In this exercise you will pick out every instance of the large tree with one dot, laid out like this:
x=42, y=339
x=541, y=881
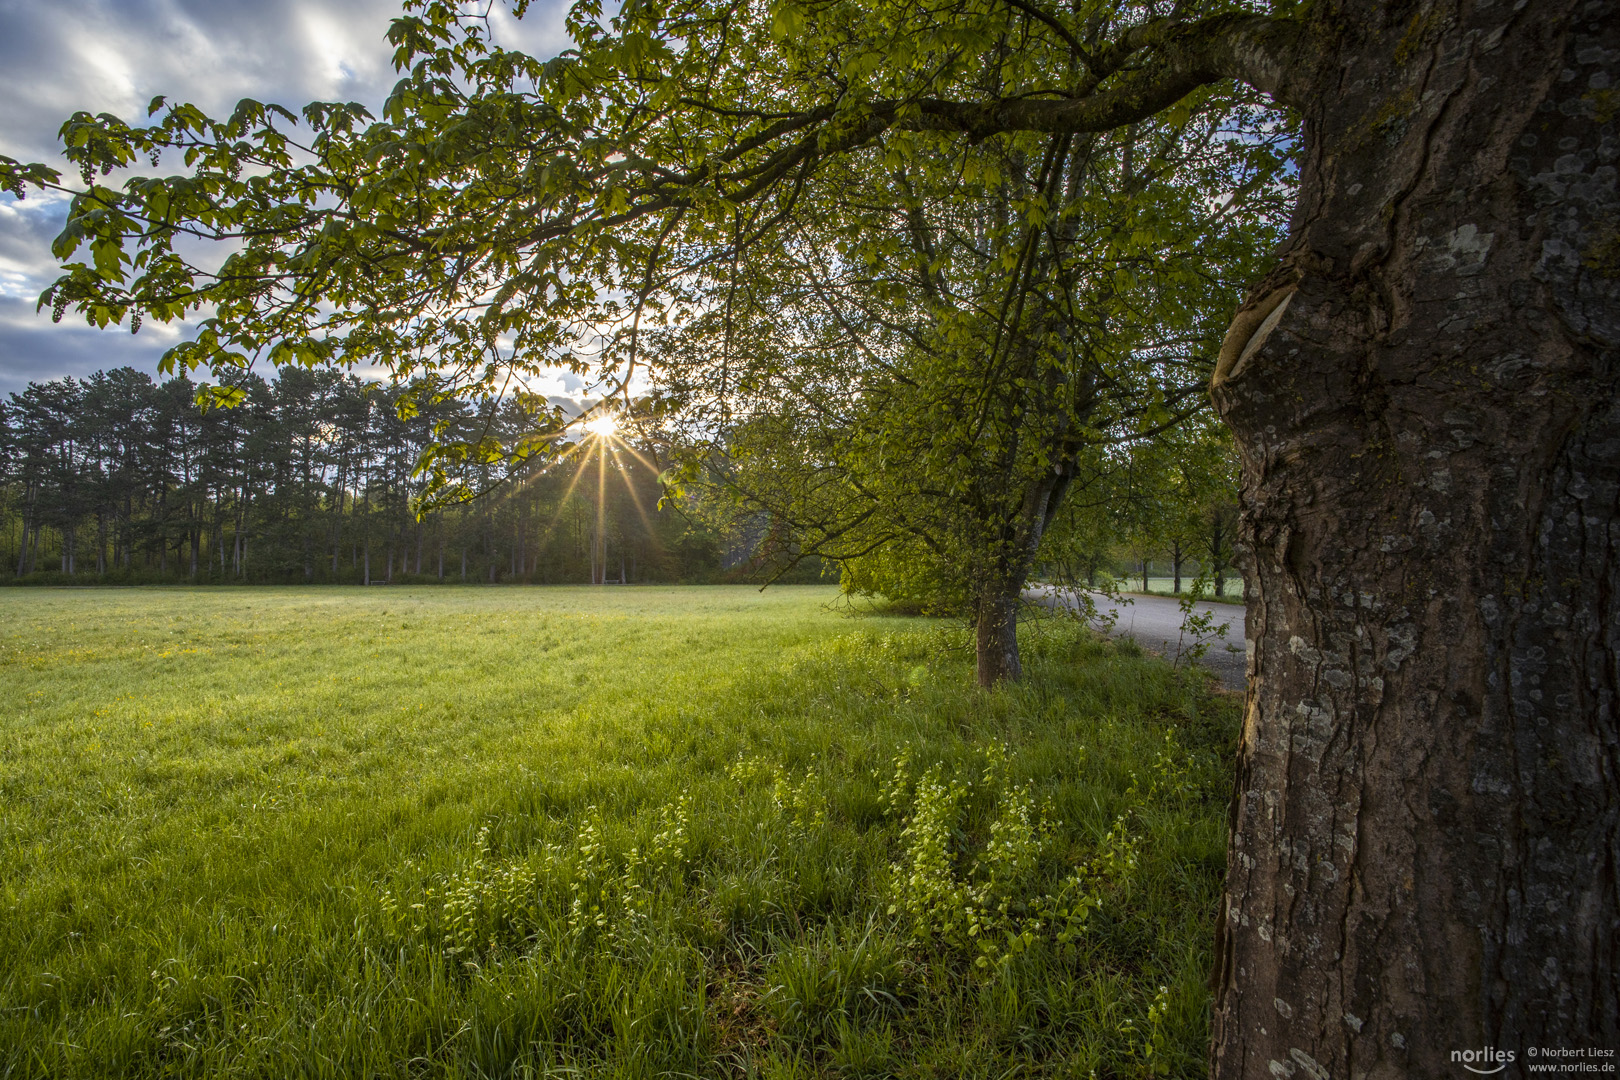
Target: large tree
x=1427, y=820
x=910, y=376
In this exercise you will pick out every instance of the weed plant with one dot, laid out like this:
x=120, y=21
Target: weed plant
x=607, y=833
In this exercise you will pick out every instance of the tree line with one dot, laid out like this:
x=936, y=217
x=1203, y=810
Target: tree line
x=1163, y=507
x=312, y=478
x=120, y=478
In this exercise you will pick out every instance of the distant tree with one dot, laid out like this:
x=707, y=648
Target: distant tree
x=1196, y=482
x=908, y=381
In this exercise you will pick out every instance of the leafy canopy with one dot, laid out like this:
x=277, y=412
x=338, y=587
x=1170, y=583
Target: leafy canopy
x=506, y=215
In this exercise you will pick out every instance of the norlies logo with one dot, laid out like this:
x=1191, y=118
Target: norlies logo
x=1484, y=1062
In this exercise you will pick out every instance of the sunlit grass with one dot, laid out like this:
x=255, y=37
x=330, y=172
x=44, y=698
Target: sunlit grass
x=617, y=832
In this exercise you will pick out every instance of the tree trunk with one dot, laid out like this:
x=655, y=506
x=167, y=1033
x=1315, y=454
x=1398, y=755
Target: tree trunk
x=1000, y=586
x=1218, y=541
x=996, y=629
x=1426, y=824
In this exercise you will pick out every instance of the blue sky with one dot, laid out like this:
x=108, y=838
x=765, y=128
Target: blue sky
x=115, y=56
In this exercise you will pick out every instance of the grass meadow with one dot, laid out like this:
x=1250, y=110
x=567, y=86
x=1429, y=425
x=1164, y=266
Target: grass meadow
x=628, y=832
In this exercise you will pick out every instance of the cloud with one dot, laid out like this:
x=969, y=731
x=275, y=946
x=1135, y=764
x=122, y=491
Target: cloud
x=115, y=56
x=33, y=350
x=26, y=231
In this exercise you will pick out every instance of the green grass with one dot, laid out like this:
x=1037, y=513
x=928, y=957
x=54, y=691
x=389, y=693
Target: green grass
x=629, y=832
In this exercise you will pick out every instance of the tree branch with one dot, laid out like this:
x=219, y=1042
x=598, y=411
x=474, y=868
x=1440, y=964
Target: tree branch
x=1262, y=52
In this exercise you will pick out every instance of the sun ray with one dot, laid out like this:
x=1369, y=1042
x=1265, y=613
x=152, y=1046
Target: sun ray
x=579, y=471
x=545, y=469
x=635, y=497
x=600, y=441
x=637, y=455
x=550, y=529
x=601, y=505
x=562, y=503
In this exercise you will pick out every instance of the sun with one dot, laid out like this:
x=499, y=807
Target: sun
x=603, y=426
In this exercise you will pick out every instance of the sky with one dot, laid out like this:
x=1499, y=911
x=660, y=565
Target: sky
x=115, y=56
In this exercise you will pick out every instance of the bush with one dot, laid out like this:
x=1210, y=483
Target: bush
x=911, y=578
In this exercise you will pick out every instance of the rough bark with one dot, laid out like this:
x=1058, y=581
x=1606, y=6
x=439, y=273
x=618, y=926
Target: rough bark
x=999, y=591
x=996, y=629
x=1425, y=854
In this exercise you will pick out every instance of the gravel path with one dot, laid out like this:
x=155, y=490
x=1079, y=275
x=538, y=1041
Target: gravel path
x=1155, y=622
